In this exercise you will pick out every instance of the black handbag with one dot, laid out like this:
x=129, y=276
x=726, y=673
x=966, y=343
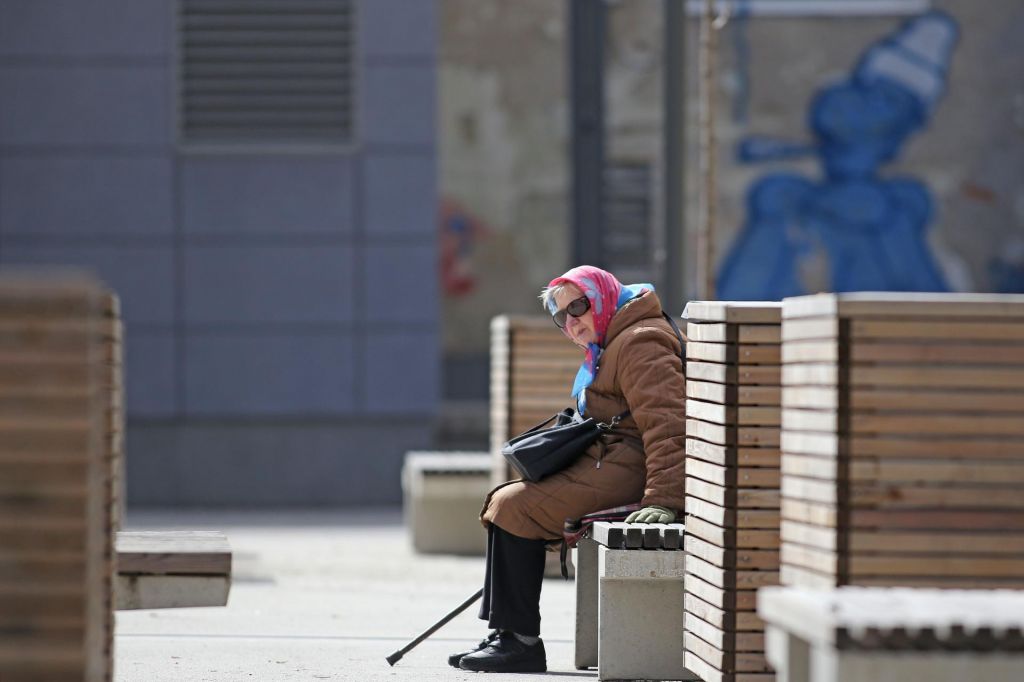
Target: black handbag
x=540, y=451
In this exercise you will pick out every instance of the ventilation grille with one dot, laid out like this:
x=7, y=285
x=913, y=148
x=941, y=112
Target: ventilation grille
x=266, y=71
x=628, y=246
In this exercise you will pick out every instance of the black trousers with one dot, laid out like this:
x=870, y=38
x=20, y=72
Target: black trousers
x=512, y=582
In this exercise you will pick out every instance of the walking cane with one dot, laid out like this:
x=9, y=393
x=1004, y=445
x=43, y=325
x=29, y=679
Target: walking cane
x=397, y=656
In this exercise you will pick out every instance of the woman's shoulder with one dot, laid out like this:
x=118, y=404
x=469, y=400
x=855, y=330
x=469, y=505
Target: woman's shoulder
x=653, y=332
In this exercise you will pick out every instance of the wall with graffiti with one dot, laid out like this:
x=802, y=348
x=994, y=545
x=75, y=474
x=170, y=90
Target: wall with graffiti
x=905, y=172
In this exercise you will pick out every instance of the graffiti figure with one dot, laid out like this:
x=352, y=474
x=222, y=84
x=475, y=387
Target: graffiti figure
x=853, y=230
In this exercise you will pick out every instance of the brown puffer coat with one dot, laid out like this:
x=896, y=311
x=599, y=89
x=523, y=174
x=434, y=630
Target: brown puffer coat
x=639, y=370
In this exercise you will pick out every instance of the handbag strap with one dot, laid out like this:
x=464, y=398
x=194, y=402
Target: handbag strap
x=682, y=359
x=679, y=335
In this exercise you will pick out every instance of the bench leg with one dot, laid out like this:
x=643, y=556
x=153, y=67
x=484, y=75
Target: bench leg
x=585, y=559
x=788, y=654
x=640, y=620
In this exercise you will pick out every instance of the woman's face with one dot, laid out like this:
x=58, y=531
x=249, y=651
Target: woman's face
x=579, y=329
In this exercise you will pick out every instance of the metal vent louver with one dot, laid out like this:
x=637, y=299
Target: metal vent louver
x=628, y=241
x=266, y=71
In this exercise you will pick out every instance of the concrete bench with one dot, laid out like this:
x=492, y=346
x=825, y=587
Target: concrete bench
x=629, y=601
x=172, y=569
x=878, y=634
x=442, y=495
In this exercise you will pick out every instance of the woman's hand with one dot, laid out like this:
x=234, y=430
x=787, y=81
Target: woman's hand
x=652, y=514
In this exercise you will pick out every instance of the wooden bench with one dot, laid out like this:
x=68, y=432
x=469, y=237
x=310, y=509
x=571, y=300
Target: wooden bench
x=172, y=569
x=532, y=369
x=441, y=495
x=864, y=634
x=629, y=601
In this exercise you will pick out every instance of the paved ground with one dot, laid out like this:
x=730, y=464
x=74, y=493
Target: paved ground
x=323, y=596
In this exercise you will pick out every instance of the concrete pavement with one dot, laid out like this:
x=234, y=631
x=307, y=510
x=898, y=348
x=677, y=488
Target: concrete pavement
x=323, y=596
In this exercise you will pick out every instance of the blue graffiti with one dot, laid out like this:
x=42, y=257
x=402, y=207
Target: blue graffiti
x=852, y=230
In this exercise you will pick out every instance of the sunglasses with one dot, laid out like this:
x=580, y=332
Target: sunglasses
x=576, y=308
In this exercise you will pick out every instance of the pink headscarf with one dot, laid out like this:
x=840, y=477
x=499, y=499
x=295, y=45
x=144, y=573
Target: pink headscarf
x=601, y=288
x=606, y=295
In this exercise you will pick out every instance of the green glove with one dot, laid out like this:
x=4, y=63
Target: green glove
x=652, y=514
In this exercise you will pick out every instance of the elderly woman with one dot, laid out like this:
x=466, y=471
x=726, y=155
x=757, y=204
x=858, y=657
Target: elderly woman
x=632, y=363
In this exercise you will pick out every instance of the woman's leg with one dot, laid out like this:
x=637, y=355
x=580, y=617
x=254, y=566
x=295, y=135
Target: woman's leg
x=512, y=582
x=511, y=605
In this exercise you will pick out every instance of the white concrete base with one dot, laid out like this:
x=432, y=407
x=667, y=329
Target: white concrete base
x=169, y=591
x=640, y=615
x=443, y=494
x=795, y=660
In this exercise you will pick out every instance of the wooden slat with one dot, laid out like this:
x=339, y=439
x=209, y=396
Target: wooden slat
x=726, y=394
x=728, y=601
x=733, y=415
x=725, y=661
x=762, y=375
x=743, y=312
x=733, y=579
x=173, y=552
x=747, y=538
x=740, y=498
x=736, y=518
x=723, y=639
x=924, y=447
x=876, y=399
x=733, y=476
x=723, y=332
x=764, y=436
x=740, y=354
x=901, y=305
x=727, y=455
x=738, y=621
x=724, y=557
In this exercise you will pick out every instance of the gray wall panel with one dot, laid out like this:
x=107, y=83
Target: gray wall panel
x=251, y=464
x=402, y=372
x=390, y=28
x=285, y=374
x=401, y=195
x=278, y=195
x=150, y=371
x=401, y=283
x=77, y=28
x=142, y=276
x=398, y=105
x=85, y=105
x=253, y=284
x=86, y=196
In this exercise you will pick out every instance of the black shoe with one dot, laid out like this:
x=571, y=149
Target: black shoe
x=454, y=659
x=507, y=655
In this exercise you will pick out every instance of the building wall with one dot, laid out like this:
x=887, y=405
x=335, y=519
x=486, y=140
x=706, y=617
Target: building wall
x=503, y=77
x=281, y=310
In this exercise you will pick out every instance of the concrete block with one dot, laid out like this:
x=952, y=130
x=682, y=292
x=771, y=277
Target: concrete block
x=281, y=195
x=399, y=104
x=401, y=195
x=401, y=283
x=268, y=374
x=584, y=556
x=143, y=277
x=279, y=284
x=398, y=28
x=640, y=615
x=170, y=591
x=98, y=196
x=443, y=493
x=72, y=28
x=50, y=106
